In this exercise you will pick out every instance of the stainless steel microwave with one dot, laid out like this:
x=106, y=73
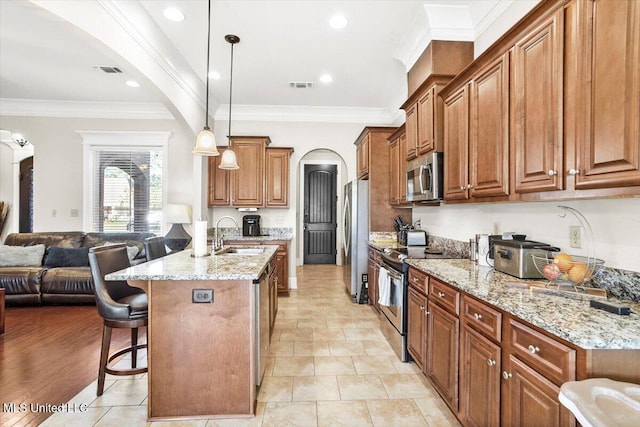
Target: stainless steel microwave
x=425, y=179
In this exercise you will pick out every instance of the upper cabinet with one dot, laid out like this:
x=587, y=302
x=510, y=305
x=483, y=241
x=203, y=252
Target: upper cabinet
x=277, y=183
x=261, y=181
x=398, y=167
x=551, y=111
x=362, y=153
x=607, y=120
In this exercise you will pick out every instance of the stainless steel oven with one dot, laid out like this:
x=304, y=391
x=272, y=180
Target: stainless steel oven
x=394, y=322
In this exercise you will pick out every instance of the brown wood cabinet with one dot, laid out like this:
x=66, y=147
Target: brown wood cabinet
x=537, y=108
x=608, y=102
x=362, y=153
x=281, y=260
x=480, y=364
x=277, y=174
x=398, y=168
x=374, y=141
x=219, y=182
x=373, y=270
x=273, y=294
x=476, y=135
x=417, y=332
x=442, y=356
x=247, y=183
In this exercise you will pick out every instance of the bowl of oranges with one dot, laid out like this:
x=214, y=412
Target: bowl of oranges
x=562, y=268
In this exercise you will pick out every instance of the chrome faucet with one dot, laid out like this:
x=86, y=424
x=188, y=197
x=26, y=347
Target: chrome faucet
x=217, y=242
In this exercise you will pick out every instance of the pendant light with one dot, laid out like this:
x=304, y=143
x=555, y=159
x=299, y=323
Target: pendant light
x=229, y=160
x=206, y=141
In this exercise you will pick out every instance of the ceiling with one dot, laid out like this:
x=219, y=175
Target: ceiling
x=43, y=57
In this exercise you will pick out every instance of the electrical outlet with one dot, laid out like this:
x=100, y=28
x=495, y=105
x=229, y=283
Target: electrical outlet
x=575, y=236
x=75, y=213
x=199, y=296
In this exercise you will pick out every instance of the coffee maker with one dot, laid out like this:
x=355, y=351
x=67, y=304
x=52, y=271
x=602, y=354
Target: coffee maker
x=251, y=225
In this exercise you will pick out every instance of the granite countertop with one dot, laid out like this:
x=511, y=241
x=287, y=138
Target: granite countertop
x=569, y=318
x=183, y=266
x=264, y=238
x=385, y=244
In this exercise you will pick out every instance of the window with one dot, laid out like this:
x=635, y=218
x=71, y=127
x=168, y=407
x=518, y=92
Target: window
x=124, y=181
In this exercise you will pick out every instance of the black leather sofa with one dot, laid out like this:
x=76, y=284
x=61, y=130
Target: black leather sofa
x=51, y=285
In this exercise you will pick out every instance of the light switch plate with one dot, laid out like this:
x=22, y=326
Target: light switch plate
x=202, y=296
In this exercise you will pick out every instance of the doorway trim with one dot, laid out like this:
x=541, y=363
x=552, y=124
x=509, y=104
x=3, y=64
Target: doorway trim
x=300, y=207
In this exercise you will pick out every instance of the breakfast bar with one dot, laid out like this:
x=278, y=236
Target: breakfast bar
x=208, y=330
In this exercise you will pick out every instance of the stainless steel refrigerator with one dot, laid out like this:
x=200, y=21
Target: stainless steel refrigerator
x=355, y=234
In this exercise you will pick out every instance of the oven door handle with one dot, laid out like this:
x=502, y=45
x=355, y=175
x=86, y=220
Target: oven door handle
x=394, y=275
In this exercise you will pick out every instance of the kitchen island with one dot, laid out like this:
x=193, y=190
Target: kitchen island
x=208, y=330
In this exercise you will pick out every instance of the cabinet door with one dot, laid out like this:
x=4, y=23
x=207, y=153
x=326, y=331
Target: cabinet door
x=608, y=137
x=442, y=357
x=219, y=192
x=411, y=125
x=277, y=186
x=456, y=145
x=362, y=152
x=426, y=120
x=402, y=144
x=282, y=269
x=529, y=399
x=273, y=300
x=247, y=183
x=417, y=327
x=394, y=173
x=537, y=108
x=479, y=379
x=489, y=130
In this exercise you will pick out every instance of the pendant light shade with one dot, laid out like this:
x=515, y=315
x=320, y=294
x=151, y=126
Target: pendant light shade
x=205, y=140
x=229, y=160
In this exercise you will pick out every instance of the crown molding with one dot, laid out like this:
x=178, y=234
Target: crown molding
x=83, y=109
x=296, y=113
x=493, y=14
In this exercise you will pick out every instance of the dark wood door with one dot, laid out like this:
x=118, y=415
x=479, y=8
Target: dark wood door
x=320, y=214
x=479, y=379
x=442, y=357
x=537, y=108
x=26, y=195
x=489, y=130
x=417, y=326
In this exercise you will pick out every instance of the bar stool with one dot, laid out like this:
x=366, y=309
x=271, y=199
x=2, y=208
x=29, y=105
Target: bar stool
x=120, y=306
x=154, y=247
x=601, y=402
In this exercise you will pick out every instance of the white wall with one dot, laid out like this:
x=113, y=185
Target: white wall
x=615, y=224
x=58, y=164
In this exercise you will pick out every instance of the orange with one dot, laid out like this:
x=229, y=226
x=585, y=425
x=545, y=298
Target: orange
x=564, y=261
x=579, y=272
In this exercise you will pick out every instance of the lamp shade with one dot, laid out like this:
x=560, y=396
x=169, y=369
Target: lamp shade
x=229, y=160
x=205, y=143
x=178, y=214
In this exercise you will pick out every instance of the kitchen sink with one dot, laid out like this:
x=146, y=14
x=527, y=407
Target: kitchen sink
x=240, y=251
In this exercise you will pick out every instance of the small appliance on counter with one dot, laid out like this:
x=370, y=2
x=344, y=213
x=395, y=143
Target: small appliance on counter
x=251, y=225
x=514, y=257
x=415, y=238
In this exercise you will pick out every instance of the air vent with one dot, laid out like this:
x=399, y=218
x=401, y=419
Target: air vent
x=301, y=85
x=108, y=70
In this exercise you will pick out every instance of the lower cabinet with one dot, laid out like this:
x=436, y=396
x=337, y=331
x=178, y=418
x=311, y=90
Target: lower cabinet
x=417, y=326
x=273, y=296
x=373, y=270
x=480, y=366
x=282, y=260
x=442, y=357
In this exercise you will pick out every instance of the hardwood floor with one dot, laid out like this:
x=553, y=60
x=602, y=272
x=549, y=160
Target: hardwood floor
x=47, y=356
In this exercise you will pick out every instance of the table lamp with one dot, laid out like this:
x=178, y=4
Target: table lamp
x=177, y=238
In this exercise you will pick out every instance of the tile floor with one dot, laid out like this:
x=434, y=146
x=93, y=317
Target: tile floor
x=329, y=365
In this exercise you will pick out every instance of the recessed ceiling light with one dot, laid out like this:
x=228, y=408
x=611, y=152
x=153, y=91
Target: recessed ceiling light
x=214, y=75
x=132, y=83
x=326, y=78
x=173, y=14
x=338, y=22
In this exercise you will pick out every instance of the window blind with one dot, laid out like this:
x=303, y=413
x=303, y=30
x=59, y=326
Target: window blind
x=127, y=189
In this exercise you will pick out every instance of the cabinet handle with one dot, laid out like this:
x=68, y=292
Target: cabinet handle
x=506, y=375
x=469, y=186
x=427, y=312
x=552, y=172
x=421, y=308
x=491, y=362
x=533, y=349
x=477, y=316
x=574, y=172
x=441, y=294
x=462, y=187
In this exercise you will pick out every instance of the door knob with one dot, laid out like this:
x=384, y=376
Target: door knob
x=574, y=172
x=506, y=375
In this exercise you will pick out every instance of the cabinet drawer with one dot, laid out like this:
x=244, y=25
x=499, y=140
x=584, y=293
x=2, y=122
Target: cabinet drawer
x=444, y=295
x=482, y=318
x=418, y=280
x=549, y=357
